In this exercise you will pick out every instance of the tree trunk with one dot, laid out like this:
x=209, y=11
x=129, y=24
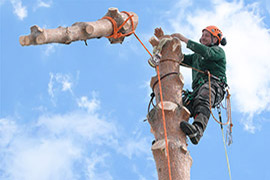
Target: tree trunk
x=81, y=30
x=175, y=112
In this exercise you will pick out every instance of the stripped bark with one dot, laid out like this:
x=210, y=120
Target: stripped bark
x=81, y=30
x=175, y=112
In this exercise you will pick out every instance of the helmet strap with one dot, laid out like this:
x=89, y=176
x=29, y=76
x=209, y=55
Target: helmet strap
x=212, y=40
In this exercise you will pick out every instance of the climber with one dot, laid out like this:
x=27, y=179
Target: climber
x=207, y=56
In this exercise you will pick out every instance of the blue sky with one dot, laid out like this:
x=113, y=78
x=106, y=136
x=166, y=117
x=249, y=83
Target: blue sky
x=76, y=111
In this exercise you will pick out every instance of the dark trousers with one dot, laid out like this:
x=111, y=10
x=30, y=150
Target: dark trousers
x=200, y=101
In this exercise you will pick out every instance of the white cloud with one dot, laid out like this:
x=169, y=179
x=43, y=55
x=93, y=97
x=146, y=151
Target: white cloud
x=91, y=106
x=88, y=126
x=247, y=51
x=7, y=130
x=50, y=159
x=49, y=49
x=43, y=4
x=92, y=162
x=52, y=146
x=135, y=147
x=59, y=83
x=249, y=125
x=19, y=9
x=141, y=177
x=74, y=145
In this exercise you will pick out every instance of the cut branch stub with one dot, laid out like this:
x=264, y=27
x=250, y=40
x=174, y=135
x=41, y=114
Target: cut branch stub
x=81, y=30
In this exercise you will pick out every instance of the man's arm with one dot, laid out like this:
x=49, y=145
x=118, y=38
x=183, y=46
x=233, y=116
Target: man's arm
x=187, y=58
x=211, y=53
x=181, y=37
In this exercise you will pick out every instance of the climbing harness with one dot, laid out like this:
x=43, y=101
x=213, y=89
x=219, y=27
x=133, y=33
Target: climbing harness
x=210, y=105
x=228, y=103
x=229, y=119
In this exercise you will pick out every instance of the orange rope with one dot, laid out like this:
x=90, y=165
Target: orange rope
x=164, y=122
x=163, y=113
x=117, y=34
x=162, y=108
x=142, y=44
x=191, y=67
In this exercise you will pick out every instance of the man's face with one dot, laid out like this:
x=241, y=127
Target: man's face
x=206, y=38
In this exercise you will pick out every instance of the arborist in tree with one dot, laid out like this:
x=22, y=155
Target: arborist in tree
x=208, y=57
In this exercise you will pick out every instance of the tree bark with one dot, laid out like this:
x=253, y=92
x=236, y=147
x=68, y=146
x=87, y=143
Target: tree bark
x=172, y=84
x=81, y=30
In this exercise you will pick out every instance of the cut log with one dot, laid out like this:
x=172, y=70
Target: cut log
x=81, y=30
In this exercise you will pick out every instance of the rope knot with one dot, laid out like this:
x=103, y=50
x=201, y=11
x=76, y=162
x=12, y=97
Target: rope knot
x=116, y=34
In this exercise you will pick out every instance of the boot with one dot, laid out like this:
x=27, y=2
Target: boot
x=193, y=131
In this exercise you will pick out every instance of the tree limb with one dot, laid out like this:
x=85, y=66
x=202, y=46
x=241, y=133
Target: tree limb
x=81, y=30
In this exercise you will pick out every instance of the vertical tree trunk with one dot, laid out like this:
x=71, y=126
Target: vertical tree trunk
x=175, y=112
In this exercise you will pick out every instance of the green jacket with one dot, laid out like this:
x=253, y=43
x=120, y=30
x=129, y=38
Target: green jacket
x=206, y=58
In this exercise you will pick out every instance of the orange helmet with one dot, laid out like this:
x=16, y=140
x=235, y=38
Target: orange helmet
x=215, y=32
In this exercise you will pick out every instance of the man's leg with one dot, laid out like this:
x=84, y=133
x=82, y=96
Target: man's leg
x=195, y=130
x=201, y=112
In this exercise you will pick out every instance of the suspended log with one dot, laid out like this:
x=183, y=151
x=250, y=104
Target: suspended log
x=82, y=30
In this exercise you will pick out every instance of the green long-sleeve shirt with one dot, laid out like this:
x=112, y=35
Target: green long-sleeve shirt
x=206, y=58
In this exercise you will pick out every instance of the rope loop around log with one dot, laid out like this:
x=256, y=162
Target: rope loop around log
x=165, y=75
x=116, y=34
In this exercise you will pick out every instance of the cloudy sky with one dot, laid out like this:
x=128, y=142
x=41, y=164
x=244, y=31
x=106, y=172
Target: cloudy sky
x=76, y=111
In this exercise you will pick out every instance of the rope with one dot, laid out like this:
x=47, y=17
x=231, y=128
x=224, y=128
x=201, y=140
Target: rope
x=168, y=74
x=162, y=107
x=164, y=123
x=173, y=60
x=142, y=44
x=226, y=154
x=229, y=116
x=192, y=67
x=153, y=94
x=224, y=143
x=151, y=102
x=116, y=35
